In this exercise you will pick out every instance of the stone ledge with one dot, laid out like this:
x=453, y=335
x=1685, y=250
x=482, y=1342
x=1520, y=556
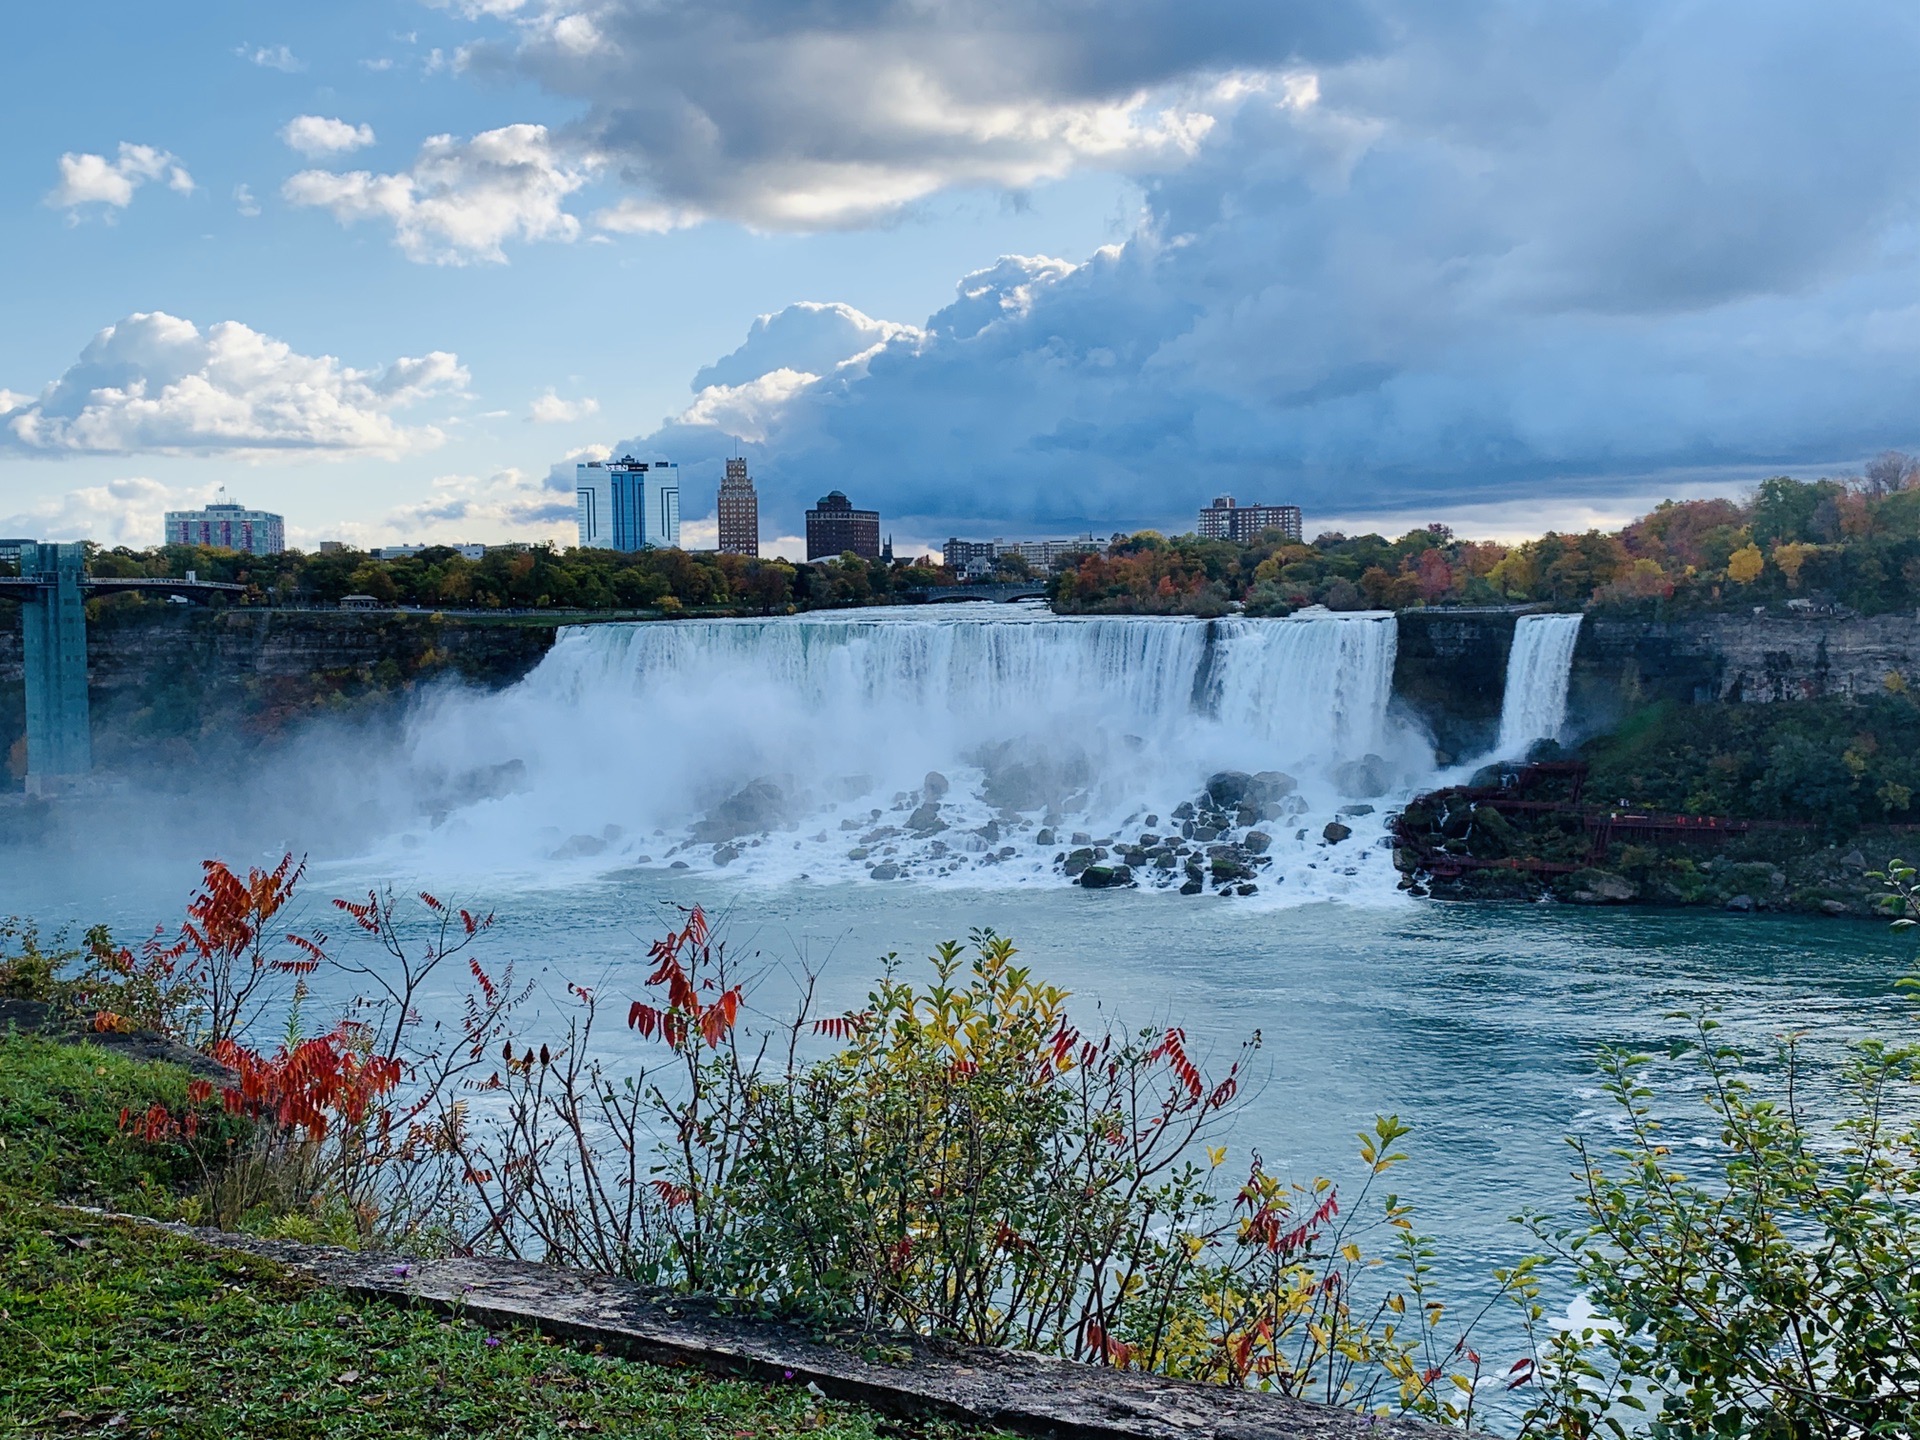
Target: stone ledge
x=1011, y=1389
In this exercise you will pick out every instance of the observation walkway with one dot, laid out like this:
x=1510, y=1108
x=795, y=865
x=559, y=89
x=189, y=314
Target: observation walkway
x=53, y=587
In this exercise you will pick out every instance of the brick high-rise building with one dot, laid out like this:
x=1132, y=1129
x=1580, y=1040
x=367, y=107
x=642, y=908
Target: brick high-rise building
x=739, y=512
x=1224, y=520
x=835, y=527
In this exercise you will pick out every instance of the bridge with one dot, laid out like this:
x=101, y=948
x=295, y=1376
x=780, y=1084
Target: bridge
x=52, y=588
x=978, y=590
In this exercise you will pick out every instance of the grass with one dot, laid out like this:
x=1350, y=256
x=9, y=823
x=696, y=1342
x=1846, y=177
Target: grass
x=110, y=1328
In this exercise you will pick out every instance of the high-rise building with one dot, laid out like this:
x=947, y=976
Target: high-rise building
x=835, y=527
x=1224, y=520
x=628, y=504
x=224, y=525
x=739, y=512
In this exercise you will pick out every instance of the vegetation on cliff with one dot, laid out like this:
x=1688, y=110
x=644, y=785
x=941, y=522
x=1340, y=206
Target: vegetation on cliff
x=1852, y=542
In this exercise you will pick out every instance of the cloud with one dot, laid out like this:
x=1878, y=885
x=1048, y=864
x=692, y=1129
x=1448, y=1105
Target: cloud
x=244, y=202
x=550, y=409
x=271, y=57
x=88, y=179
x=120, y=512
x=508, y=503
x=316, y=135
x=154, y=383
x=1480, y=253
x=807, y=337
x=821, y=116
x=462, y=199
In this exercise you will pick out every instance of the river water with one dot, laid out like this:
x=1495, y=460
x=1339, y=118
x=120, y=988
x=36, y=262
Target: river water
x=565, y=804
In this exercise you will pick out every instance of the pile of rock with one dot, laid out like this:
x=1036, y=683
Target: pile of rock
x=1212, y=841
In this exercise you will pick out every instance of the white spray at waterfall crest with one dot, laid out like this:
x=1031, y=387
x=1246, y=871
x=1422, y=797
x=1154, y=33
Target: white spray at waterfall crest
x=786, y=746
x=1534, y=707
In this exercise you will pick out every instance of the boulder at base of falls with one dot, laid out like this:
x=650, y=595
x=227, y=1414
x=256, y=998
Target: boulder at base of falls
x=757, y=806
x=1335, y=832
x=726, y=854
x=1237, y=790
x=1106, y=877
x=887, y=870
x=926, y=820
x=1079, y=860
x=1258, y=842
x=1365, y=779
x=934, y=786
x=1192, y=887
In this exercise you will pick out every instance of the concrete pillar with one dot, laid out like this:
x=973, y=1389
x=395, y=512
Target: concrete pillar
x=54, y=619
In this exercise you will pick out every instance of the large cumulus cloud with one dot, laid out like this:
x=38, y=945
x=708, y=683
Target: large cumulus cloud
x=156, y=383
x=843, y=112
x=1464, y=253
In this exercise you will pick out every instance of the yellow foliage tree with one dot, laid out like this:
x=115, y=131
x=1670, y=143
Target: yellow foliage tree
x=1745, y=564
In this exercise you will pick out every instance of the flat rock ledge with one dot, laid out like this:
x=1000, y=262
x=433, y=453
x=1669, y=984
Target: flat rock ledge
x=1010, y=1389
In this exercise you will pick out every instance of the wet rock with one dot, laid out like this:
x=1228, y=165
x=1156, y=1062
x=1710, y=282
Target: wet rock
x=935, y=785
x=1854, y=860
x=1044, y=837
x=1258, y=841
x=1081, y=837
x=1366, y=778
x=1192, y=887
x=1740, y=902
x=1203, y=833
x=1335, y=832
x=1228, y=867
x=758, y=805
x=1603, y=887
x=1148, y=840
x=678, y=865
x=1151, y=821
x=851, y=824
x=1229, y=787
x=1163, y=860
x=1183, y=811
x=926, y=820
x=1248, y=815
x=885, y=870
x=1106, y=877
x=1079, y=860
x=1248, y=889
x=1835, y=907
x=859, y=852
x=726, y=854
x=1356, y=809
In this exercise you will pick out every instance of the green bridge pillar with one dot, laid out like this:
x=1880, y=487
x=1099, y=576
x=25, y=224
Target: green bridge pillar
x=54, y=619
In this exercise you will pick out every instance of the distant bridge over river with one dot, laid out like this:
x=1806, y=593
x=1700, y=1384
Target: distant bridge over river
x=979, y=590
x=53, y=587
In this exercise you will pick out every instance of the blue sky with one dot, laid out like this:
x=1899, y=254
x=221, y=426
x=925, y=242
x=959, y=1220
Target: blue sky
x=992, y=265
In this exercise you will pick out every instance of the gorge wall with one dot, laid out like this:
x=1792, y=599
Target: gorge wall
x=164, y=679
x=1451, y=667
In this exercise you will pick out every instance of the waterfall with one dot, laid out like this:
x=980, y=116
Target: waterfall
x=1534, y=707
x=705, y=740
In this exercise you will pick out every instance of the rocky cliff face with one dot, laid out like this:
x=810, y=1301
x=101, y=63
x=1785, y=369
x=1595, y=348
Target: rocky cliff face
x=1739, y=659
x=1451, y=669
x=170, y=677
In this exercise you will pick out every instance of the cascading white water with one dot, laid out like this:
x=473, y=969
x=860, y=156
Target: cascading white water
x=1534, y=707
x=802, y=745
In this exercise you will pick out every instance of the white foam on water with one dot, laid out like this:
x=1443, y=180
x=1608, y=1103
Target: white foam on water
x=626, y=737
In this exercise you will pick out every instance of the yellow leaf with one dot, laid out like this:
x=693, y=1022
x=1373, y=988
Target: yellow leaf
x=1217, y=1154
